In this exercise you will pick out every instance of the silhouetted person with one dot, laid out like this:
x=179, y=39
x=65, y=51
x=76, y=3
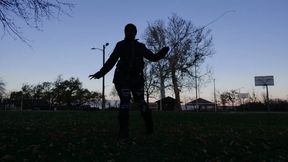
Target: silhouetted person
x=128, y=77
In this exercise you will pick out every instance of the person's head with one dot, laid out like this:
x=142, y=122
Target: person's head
x=130, y=31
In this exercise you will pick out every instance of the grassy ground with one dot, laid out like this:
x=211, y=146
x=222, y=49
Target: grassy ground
x=179, y=136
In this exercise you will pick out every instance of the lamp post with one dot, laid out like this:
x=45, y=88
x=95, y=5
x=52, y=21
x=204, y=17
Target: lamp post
x=215, y=101
x=196, y=80
x=103, y=79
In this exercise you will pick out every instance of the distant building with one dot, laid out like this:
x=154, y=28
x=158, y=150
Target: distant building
x=153, y=106
x=200, y=104
x=115, y=104
x=168, y=104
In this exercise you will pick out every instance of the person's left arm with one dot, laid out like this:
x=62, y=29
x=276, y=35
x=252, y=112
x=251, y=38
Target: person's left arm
x=149, y=55
x=109, y=64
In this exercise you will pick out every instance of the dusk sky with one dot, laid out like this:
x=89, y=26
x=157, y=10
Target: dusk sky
x=250, y=41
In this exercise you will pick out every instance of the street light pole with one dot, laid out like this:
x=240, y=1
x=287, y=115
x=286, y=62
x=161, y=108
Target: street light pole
x=103, y=79
x=215, y=101
x=196, y=88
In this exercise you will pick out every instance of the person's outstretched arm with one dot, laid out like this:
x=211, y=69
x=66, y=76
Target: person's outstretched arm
x=109, y=64
x=149, y=55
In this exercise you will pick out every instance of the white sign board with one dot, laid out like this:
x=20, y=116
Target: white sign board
x=243, y=95
x=264, y=81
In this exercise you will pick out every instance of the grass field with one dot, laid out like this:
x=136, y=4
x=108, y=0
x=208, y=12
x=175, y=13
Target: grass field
x=179, y=136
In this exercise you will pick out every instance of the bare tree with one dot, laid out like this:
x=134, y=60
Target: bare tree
x=32, y=12
x=157, y=73
x=233, y=97
x=179, y=38
x=201, y=48
x=114, y=93
x=190, y=45
x=199, y=78
x=2, y=88
x=253, y=98
x=229, y=97
x=150, y=82
x=224, y=97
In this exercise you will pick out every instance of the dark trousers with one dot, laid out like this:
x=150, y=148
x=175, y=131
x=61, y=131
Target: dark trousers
x=125, y=92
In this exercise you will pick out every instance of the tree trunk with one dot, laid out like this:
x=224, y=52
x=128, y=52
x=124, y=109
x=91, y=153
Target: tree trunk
x=147, y=97
x=162, y=88
x=175, y=87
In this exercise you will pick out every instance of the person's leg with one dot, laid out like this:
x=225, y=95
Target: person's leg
x=146, y=113
x=123, y=117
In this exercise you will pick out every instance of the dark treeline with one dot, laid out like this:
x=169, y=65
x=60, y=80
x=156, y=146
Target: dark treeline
x=60, y=94
x=273, y=105
x=230, y=100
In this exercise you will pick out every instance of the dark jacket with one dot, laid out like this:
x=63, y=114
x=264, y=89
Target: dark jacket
x=131, y=64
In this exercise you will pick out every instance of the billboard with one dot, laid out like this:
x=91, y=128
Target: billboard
x=264, y=81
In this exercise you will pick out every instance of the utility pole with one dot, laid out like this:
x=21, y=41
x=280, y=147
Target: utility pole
x=267, y=98
x=21, y=107
x=196, y=88
x=103, y=79
x=215, y=101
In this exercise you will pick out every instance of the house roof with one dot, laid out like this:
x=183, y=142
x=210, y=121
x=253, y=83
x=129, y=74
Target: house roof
x=167, y=99
x=200, y=101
